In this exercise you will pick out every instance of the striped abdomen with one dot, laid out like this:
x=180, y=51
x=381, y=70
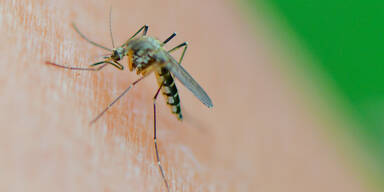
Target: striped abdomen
x=169, y=91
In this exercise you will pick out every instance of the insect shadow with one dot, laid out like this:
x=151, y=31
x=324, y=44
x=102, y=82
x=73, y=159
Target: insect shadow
x=146, y=55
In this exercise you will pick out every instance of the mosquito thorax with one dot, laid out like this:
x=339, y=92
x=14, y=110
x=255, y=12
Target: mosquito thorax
x=145, y=51
x=118, y=53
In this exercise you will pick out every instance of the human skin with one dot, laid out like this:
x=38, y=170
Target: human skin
x=259, y=136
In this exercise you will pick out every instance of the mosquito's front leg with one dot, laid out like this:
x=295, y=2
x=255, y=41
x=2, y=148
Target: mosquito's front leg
x=81, y=68
x=116, y=64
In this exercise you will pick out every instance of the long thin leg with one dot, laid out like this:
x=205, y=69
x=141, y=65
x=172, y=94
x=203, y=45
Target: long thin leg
x=185, y=45
x=91, y=42
x=169, y=38
x=117, y=98
x=155, y=137
x=115, y=64
x=80, y=68
x=145, y=28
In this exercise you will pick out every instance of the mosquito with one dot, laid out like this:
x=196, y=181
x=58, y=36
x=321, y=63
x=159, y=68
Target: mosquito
x=147, y=55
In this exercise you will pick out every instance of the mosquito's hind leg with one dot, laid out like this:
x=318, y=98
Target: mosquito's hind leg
x=155, y=137
x=185, y=45
x=81, y=68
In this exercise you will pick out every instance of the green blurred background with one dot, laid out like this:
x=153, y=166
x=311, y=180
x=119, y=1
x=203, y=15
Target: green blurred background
x=346, y=40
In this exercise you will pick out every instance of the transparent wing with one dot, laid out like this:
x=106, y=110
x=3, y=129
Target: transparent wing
x=186, y=79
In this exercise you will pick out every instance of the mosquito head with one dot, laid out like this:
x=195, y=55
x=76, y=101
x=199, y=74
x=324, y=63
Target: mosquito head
x=118, y=54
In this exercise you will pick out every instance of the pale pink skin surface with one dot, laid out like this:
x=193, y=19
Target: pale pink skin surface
x=258, y=137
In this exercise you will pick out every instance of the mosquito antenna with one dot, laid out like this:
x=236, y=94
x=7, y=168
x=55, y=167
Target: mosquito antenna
x=89, y=41
x=110, y=25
